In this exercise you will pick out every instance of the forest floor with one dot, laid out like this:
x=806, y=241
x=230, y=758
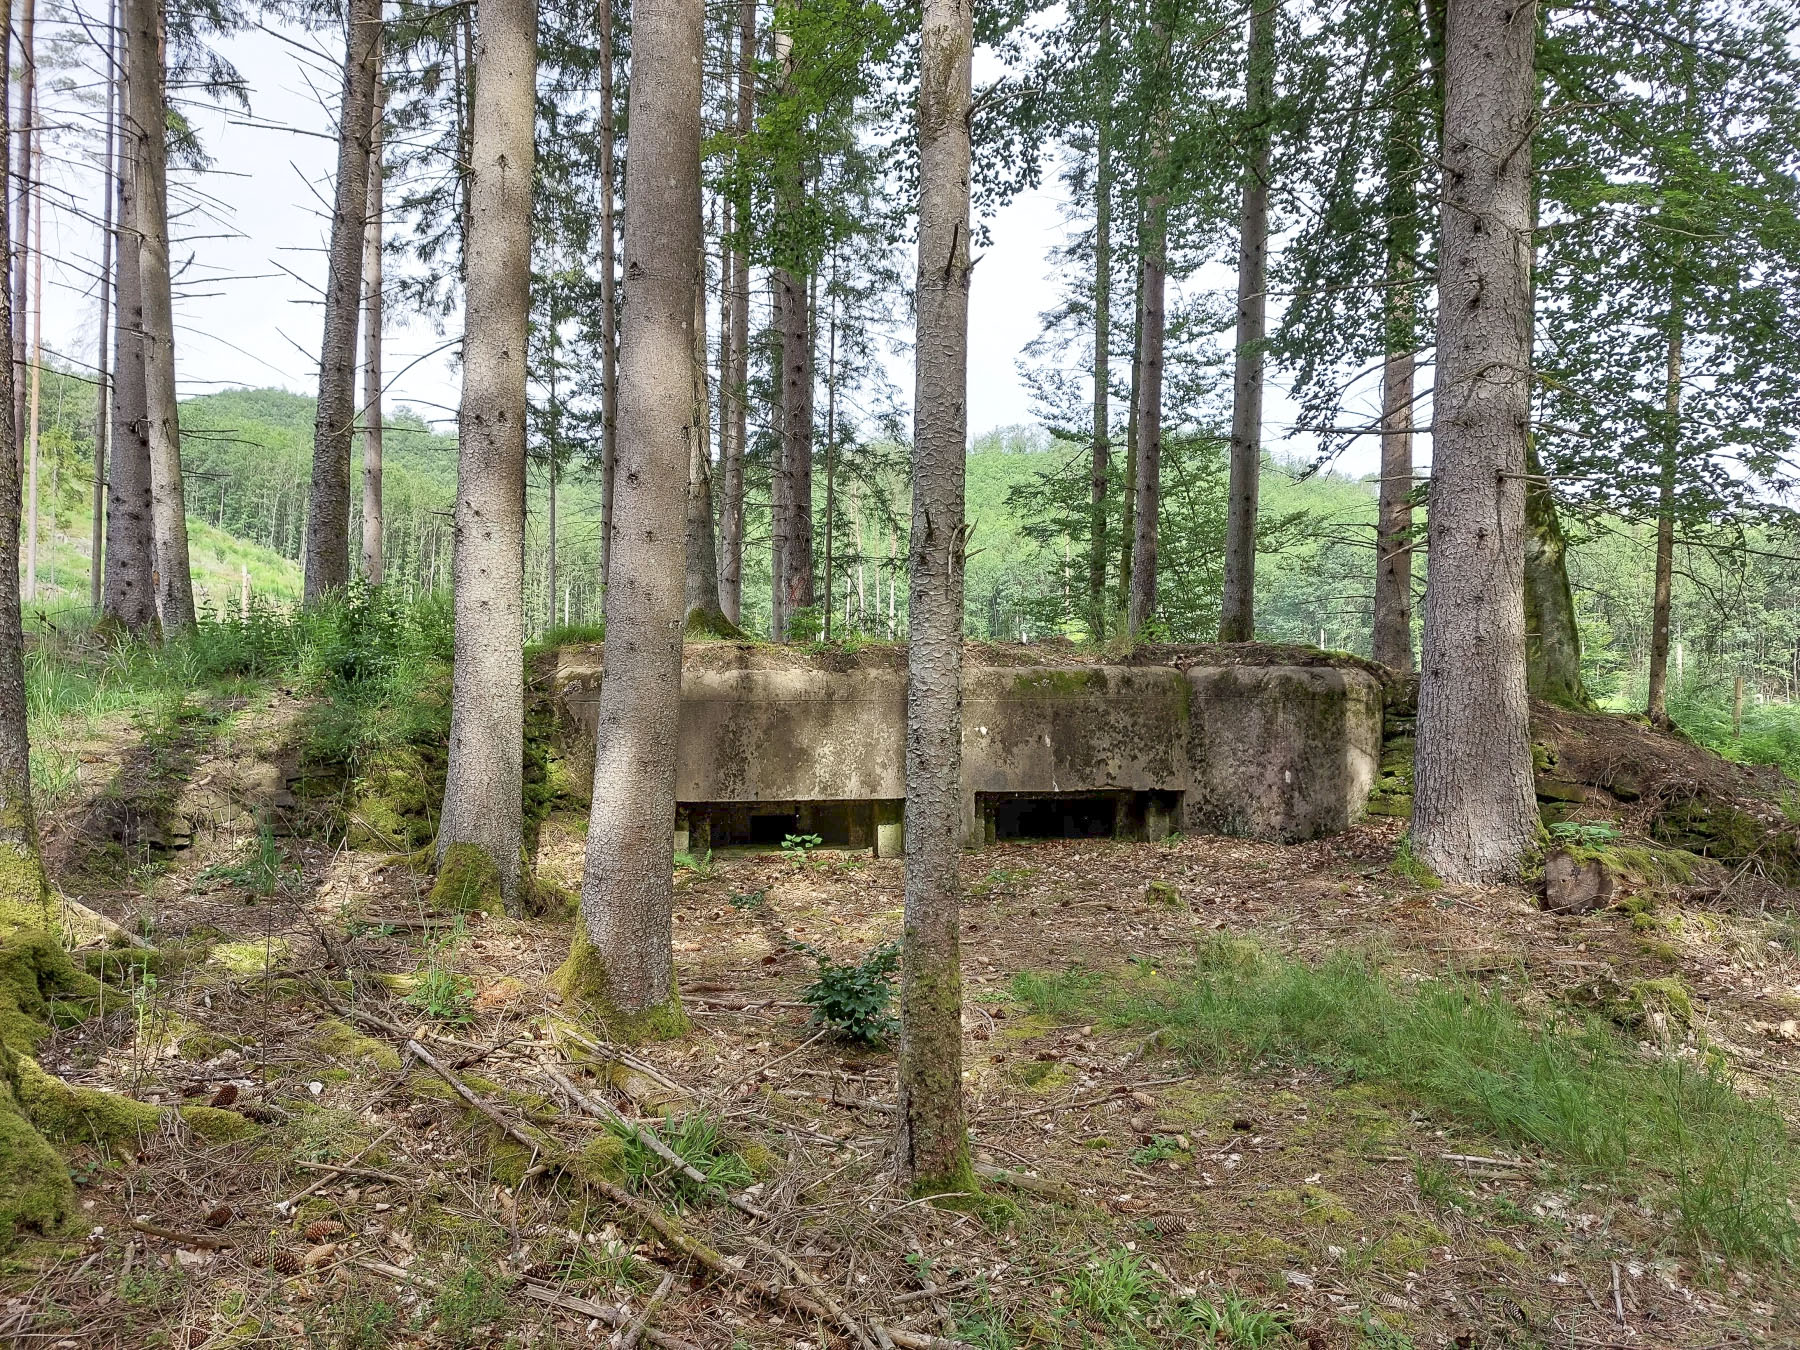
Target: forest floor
x=1165, y=1165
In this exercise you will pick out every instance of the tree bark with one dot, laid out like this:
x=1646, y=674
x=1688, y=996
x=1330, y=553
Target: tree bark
x=794, y=583
x=1146, y=477
x=830, y=449
x=1474, y=810
x=21, y=306
x=128, y=597
x=1128, y=525
x=1237, y=615
x=933, y=1145
x=1663, y=593
x=609, y=337
x=703, y=613
x=35, y=198
x=1552, y=633
x=1392, y=644
x=484, y=785
x=733, y=374
x=171, y=579
x=328, y=516
x=626, y=962
x=372, y=516
x=1100, y=468
x=103, y=368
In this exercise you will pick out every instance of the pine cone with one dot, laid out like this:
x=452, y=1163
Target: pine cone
x=1168, y=1225
x=225, y=1096
x=320, y=1229
x=287, y=1262
x=219, y=1215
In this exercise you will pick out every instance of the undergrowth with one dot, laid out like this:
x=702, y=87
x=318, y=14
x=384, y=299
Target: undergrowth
x=1726, y=1166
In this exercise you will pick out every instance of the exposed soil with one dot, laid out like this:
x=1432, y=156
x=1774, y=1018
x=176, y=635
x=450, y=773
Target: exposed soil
x=1294, y=1190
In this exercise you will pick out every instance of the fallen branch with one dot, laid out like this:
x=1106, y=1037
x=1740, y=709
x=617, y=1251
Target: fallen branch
x=817, y=1290
x=286, y=1207
x=211, y=1244
x=633, y=1332
x=604, y=1110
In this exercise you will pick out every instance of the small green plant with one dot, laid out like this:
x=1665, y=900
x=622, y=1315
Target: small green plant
x=1438, y=1185
x=1409, y=865
x=1159, y=1149
x=1235, y=1321
x=805, y=624
x=360, y=1320
x=700, y=1143
x=1113, y=1289
x=748, y=900
x=476, y=1297
x=799, y=848
x=701, y=868
x=854, y=999
x=444, y=995
x=1583, y=834
x=1059, y=995
x=262, y=874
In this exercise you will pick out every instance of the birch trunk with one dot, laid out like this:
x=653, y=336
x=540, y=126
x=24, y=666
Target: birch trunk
x=623, y=959
x=372, y=513
x=1237, y=616
x=932, y=1144
x=1474, y=811
x=485, y=781
x=328, y=515
x=170, y=577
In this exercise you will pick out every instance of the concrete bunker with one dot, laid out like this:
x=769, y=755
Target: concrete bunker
x=1274, y=743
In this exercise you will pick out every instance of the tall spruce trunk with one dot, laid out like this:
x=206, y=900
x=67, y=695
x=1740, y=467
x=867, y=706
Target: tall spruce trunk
x=372, y=513
x=1552, y=632
x=1128, y=524
x=701, y=600
x=734, y=365
x=1100, y=467
x=1474, y=810
x=623, y=959
x=34, y=399
x=171, y=579
x=485, y=781
x=1392, y=643
x=1662, y=594
x=21, y=255
x=1146, y=477
x=609, y=303
x=103, y=368
x=1237, y=611
x=127, y=596
x=328, y=513
x=933, y=1142
x=794, y=583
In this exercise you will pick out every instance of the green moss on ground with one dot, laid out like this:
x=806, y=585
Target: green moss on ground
x=583, y=982
x=602, y=1158
x=343, y=1042
x=467, y=880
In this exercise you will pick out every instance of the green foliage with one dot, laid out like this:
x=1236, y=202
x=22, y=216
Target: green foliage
x=749, y=900
x=1114, y=1290
x=805, y=624
x=477, y=1297
x=1059, y=995
x=854, y=999
x=701, y=868
x=799, y=847
x=445, y=996
x=262, y=873
x=1583, y=834
x=1160, y=1149
x=1726, y=1165
x=360, y=1319
x=700, y=1141
x=1235, y=1321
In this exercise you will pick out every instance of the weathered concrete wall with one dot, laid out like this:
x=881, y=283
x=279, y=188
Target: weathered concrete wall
x=1275, y=751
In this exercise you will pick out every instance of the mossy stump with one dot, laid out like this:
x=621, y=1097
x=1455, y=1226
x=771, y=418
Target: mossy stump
x=467, y=881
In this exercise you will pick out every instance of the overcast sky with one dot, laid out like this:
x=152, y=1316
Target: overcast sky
x=247, y=310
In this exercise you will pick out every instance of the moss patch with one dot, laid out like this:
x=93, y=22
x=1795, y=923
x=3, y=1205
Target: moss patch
x=250, y=958
x=343, y=1042
x=583, y=982
x=467, y=880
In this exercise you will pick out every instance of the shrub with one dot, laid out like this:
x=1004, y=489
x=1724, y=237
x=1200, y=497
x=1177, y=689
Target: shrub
x=854, y=1000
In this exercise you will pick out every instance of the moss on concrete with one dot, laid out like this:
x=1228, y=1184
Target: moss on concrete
x=467, y=880
x=584, y=984
x=394, y=800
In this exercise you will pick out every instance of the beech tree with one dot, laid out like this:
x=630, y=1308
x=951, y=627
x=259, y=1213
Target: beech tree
x=485, y=778
x=148, y=121
x=328, y=504
x=933, y=1144
x=623, y=958
x=1474, y=809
